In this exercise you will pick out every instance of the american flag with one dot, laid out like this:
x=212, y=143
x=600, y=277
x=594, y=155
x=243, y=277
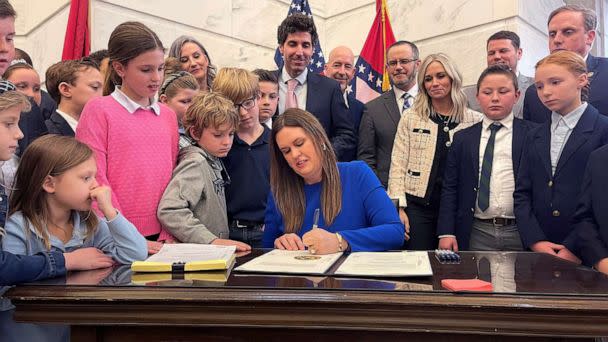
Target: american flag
x=317, y=61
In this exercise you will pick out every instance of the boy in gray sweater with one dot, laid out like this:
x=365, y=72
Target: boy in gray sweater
x=193, y=207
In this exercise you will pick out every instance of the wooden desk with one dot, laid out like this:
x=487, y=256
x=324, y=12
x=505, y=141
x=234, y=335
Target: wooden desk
x=542, y=297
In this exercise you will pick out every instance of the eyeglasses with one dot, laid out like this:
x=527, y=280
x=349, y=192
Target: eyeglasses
x=403, y=61
x=247, y=104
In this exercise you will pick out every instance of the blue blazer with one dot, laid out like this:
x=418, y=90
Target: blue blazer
x=535, y=111
x=591, y=220
x=461, y=179
x=325, y=101
x=545, y=203
x=355, y=109
x=56, y=124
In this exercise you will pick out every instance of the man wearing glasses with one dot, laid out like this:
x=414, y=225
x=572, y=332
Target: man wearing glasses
x=381, y=115
x=503, y=47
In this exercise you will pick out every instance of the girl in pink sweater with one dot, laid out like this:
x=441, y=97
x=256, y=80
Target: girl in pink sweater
x=135, y=138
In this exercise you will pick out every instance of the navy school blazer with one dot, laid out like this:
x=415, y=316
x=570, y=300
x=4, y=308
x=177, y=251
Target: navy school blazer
x=590, y=235
x=545, y=204
x=461, y=179
x=56, y=124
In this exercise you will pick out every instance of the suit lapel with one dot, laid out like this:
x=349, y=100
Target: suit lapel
x=580, y=135
x=474, y=146
x=312, y=92
x=391, y=106
x=519, y=135
x=592, y=69
x=542, y=140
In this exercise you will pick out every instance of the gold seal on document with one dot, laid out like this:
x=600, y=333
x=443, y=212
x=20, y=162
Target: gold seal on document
x=307, y=257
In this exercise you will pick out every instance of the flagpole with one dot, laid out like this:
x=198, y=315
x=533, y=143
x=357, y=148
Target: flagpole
x=385, y=79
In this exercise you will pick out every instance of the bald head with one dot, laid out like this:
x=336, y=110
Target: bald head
x=341, y=66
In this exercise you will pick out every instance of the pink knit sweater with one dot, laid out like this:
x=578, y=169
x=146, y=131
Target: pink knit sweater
x=135, y=153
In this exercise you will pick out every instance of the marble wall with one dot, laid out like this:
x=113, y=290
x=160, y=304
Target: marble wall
x=243, y=32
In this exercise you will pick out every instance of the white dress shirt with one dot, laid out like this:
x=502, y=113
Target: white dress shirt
x=561, y=128
x=301, y=90
x=502, y=179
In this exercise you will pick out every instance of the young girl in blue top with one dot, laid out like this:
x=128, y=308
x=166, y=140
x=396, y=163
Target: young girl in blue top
x=355, y=212
x=20, y=268
x=51, y=205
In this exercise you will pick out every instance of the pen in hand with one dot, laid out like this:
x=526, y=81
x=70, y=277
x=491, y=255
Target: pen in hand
x=315, y=220
x=315, y=224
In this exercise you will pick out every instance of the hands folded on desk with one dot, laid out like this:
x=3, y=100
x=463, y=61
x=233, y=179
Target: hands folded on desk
x=555, y=249
x=318, y=241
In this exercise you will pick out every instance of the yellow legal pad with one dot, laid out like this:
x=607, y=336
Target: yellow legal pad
x=184, y=257
x=213, y=277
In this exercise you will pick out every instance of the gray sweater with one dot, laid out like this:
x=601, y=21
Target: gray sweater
x=193, y=207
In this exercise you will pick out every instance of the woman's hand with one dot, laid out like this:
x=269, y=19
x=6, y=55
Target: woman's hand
x=290, y=242
x=320, y=241
x=406, y=222
x=90, y=277
x=103, y=196
x=89, y=258
x=240, y=246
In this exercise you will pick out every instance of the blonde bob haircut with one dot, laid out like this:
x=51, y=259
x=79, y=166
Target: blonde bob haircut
x=423, y=106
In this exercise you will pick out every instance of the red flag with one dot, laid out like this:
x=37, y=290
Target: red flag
x=77, y=41
x=371, y=78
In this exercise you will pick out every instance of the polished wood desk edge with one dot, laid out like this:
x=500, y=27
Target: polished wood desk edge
x=133, y=294
x=519, y=321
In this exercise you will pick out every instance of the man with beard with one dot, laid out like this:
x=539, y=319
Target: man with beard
x=381, y=115
x=299, y=88
x=503, y=47
x=341, y=67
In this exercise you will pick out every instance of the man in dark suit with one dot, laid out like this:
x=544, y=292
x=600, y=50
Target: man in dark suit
x=341, y=67
x=572, y=28
x=591, y=219
x=314, y=93
x=381, y=115
x=503, y=47
x=476, y=211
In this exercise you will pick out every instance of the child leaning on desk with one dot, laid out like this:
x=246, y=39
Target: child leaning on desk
x=21, y=268
x=51, y=205
x=193, y=207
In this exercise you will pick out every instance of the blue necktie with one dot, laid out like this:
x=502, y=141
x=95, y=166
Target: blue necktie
x=483, y=198
x=406, y=102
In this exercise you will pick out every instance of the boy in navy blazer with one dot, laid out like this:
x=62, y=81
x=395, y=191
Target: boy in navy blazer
x=71, y=84
x=476, y=211
x=548, y=184
x=591, y=219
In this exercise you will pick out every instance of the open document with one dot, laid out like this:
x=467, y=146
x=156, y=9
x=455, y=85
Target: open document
x=386, y=264
x=185, y=257
x=300, y=262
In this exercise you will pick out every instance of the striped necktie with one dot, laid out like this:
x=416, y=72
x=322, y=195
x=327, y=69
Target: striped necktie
x=483, y=198
x=406, y=102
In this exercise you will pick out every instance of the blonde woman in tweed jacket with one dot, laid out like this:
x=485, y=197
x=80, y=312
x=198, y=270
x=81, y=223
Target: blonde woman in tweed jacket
x=423, y=138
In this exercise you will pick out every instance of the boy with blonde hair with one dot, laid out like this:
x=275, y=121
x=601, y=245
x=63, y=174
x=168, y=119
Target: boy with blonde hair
x=248, y=162
x=193, y=206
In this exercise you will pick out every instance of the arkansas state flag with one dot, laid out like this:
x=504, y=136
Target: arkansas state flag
x=77, y=43
x=371, y=78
